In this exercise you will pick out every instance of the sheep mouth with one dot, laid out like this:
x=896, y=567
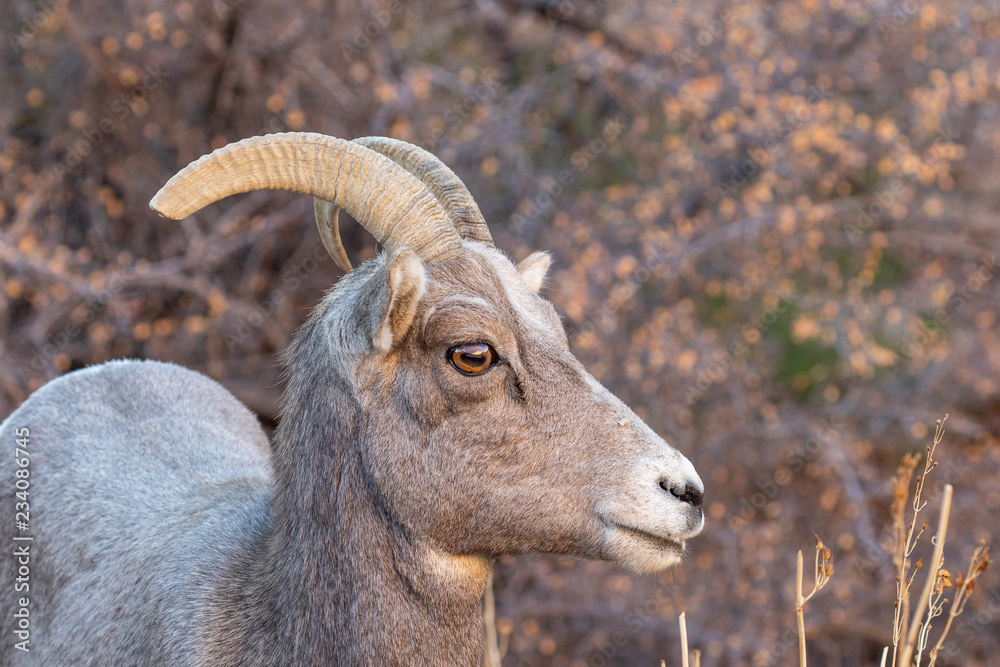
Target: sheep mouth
x=661, y=542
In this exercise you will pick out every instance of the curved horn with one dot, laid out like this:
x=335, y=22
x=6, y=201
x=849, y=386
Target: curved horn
x=328, y=222
x=435, y=174
x=389, y=202
x=442, y=181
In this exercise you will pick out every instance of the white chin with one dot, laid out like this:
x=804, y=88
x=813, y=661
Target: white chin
x=642, y=552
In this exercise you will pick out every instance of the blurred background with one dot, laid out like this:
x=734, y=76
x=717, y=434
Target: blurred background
x=775, y=229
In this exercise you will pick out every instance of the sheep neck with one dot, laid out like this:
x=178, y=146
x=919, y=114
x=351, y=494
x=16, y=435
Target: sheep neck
x=358, y=589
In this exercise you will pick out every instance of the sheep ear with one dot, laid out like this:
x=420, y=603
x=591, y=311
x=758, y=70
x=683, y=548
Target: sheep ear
x=533, y=269
x=406, y=286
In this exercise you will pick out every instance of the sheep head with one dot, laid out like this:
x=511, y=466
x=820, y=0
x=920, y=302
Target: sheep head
x=482, y=433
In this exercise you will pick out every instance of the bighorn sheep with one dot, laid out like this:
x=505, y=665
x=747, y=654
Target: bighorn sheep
x=434, y=419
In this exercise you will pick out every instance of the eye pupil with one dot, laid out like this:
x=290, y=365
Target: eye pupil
x=472, y=358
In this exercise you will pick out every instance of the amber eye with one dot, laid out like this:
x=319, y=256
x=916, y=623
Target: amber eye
x=472, y=358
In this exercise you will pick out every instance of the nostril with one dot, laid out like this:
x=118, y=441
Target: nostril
x=686, y=494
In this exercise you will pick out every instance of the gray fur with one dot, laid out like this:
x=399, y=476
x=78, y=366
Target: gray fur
x=167, y=531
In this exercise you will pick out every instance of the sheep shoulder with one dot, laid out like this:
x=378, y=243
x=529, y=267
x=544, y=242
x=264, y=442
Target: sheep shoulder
x=146, y=480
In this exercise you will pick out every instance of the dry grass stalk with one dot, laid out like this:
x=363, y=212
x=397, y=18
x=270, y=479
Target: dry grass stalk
x=904, y=534
x=963, y=586
x=685, y=654
x=684, y=640
x=911, y=636
x=493, y=654
x=939, y=580
x=822, y=571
